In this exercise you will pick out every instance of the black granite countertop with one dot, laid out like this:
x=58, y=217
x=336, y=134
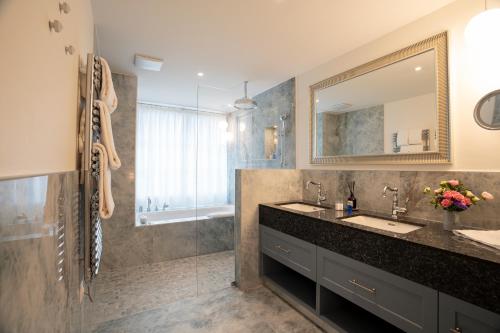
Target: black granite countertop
x=430, y=256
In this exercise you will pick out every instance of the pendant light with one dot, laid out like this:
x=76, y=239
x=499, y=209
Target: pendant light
x=482, y=31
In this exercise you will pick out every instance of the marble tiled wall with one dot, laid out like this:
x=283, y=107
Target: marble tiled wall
x=34, y=296
x=254, y=187
x=359, y=132
x=247, y=151
x=370, y=183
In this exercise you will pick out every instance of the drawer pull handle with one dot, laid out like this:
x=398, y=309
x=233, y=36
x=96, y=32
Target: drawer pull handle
x=456, y=330
x=357, y=284
x=282, y=249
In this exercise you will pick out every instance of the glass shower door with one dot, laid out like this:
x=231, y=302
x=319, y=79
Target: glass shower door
x=214, y=191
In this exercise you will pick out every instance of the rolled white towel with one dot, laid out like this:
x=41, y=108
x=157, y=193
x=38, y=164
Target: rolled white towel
x=108, y=94
x=106, y=203
x=107, y=135
x=402, y=138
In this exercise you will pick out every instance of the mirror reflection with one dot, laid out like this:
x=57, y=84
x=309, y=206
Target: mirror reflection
x=391, y=110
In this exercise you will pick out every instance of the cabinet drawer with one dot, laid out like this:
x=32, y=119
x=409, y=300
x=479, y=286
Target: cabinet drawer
x=290, y=251
x=405, y=304
x=458, y=316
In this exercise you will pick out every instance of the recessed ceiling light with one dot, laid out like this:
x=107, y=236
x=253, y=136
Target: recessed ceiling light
x=317, y=101
x=200, y=74
x=418, y=68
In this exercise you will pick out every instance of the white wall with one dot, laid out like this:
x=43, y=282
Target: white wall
x=470, y=77
x=39, y=85
x=412, y=113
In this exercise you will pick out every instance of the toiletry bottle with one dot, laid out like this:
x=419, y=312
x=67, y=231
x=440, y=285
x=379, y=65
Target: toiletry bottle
x=348, y=207
x=352, y=200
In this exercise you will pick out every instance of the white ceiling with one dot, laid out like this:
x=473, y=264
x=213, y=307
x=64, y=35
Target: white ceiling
x=391, y=83
x=263, y=41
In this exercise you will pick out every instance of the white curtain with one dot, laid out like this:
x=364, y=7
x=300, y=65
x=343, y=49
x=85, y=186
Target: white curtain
x=181, y=158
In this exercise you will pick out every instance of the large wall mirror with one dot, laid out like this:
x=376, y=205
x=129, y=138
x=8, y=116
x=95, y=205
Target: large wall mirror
x=391, y=110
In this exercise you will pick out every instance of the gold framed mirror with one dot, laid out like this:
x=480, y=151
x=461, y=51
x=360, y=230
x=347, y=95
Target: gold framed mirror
x=392, y=110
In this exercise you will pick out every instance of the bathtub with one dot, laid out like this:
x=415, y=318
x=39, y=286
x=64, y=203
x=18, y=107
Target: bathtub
x=184, y=215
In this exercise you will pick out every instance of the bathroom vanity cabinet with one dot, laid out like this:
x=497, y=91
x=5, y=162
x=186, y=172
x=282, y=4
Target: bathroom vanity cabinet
x=342, y=294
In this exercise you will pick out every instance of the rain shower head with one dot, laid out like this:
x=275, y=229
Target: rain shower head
x=245, y=103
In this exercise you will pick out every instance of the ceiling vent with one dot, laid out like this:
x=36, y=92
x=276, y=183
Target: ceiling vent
x=147, y=62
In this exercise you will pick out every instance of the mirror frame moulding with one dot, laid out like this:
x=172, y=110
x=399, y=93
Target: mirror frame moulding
x=477, y=110
x=438, y=43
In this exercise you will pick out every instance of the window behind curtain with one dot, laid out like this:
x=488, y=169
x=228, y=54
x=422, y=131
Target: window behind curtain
x=181, y=158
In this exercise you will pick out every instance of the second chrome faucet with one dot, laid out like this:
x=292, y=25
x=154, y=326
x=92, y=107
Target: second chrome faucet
x=395, y=201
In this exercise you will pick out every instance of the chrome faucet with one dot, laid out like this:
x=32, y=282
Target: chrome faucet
x=165, y=206
x=395, y=202
x=321, y=195
x=149, y=204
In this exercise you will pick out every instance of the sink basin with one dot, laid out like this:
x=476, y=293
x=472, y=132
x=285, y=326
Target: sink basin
x=302, y=207
x=383, y=224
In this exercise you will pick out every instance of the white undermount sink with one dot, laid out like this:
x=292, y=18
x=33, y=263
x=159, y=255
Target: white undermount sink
x=383, y=224
x=302, y=207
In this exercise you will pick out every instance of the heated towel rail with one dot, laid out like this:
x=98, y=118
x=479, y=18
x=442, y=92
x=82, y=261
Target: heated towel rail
x=92, y=240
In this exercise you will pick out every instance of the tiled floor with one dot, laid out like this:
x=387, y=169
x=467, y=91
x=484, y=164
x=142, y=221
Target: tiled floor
x=168, y=297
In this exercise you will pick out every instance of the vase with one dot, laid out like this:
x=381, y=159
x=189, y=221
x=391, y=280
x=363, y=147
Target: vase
x=451, y=220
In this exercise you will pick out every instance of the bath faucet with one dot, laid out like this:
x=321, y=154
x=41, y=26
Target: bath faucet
x=165, y=206
x=395, y=202
x=149, y=204
x=321, y=195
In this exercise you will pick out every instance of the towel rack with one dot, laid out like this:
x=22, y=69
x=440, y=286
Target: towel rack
x=92, y=233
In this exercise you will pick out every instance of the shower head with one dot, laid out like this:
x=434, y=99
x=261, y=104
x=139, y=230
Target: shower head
x=245, y=103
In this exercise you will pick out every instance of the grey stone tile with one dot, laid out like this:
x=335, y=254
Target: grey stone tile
x=228, y=310
x=32, y=298
x=215, y=235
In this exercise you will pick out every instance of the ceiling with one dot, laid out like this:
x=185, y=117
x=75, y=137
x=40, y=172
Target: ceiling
x=263, y=41
x=388, y=84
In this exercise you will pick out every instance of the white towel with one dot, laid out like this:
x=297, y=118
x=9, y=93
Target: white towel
x=107, y=135
x=106, y=203
x=487, y=237
x=412, y=149
x=415, y=137
x=402, y=139
x=108, y=94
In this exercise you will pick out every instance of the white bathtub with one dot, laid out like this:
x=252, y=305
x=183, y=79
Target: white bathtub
x=184, y=215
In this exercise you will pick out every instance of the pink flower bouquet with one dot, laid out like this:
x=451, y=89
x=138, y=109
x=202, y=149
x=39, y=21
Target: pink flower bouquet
x=453, y=196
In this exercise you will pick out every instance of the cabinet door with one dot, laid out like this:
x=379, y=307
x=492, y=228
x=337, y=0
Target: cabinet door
x=457, y=316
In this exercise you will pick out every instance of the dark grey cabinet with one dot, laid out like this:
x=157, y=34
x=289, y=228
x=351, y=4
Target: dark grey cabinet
x=457, y=316
x=403, y=303
x=344, y=295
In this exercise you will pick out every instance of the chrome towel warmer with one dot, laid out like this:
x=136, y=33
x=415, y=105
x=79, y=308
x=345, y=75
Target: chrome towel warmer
x=92, y=240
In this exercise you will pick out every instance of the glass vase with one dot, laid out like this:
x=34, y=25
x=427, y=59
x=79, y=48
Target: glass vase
x=451, y=220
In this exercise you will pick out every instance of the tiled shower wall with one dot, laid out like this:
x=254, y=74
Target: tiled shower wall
x=247, y=151
x=38, y=293
x=370, y=183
